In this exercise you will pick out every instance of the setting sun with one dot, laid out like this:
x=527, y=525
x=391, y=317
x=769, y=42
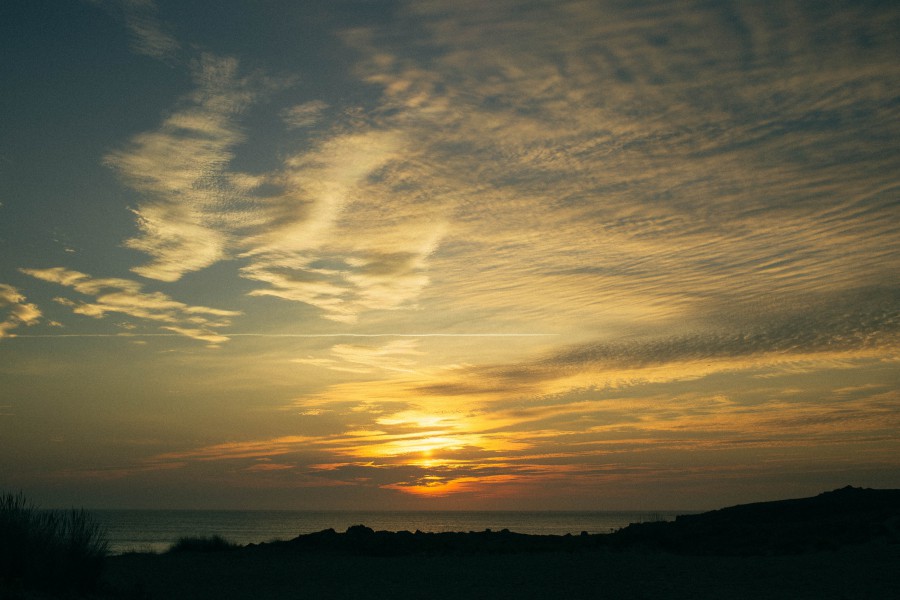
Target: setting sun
x=544, y=255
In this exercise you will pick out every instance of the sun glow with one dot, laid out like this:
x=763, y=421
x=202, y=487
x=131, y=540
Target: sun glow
x=427, y=446
x=435, y=486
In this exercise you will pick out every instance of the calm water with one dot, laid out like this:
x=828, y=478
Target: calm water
x=157, y=530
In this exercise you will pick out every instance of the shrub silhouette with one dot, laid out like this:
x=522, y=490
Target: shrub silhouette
x=215, y=543
x=51, y=550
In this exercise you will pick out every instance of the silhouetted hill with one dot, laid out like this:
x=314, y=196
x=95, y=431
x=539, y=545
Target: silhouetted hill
x=360, y=540
x=839, y=545
x=825, y=522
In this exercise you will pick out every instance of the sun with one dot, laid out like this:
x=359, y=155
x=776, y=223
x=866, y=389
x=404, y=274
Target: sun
x=426, y=446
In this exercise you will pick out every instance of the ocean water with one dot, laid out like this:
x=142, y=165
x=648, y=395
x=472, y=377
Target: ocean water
x=157, y=530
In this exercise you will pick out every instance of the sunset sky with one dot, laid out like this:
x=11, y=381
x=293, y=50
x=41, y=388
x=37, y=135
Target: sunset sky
x=460, y=254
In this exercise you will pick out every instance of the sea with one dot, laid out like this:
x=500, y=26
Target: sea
x=157, y=530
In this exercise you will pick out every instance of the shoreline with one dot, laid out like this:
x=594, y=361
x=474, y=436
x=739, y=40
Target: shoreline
x=843, y=544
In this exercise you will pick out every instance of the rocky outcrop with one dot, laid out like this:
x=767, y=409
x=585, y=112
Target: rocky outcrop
x=824, y=522
x=363, y=541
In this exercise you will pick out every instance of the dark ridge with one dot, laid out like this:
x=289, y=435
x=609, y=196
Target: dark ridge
x=825, y=522
x=360, y=540
x=828, y=521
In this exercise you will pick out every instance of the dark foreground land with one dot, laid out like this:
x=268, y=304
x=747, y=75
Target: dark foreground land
x=843, y=544
x=868, y=571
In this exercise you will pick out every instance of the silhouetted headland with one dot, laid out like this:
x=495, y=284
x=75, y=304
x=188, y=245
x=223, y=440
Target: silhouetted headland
x=363, y=541
x=827, y=521
x=843, y=544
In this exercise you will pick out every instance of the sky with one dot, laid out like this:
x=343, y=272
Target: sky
x=506, y=255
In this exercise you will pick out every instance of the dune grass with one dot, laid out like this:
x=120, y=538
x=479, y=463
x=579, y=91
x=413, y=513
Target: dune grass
x=57, y=550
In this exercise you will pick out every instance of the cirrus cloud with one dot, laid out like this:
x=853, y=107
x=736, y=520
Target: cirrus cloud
x=123, y=296
x=18, y=310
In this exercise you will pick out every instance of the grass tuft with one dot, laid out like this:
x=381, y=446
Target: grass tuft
x=53, y=550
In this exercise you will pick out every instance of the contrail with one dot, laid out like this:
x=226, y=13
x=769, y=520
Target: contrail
x=283, y=335
x=319, y=335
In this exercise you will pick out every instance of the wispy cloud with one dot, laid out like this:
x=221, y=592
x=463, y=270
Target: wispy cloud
x=620, y=158
x=239, y=450
x=304, y=115
x=699, y=199
x=833, y=323
x=149, y=35
x=598, y=439
x=123, y=296
x=16, y=310
x=399, y=355
x=313, y=249
x=292, y=226
x=192, y=205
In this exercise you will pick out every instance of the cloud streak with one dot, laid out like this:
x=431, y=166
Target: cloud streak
x=635, y=201
x=149, y=36
x=620, y=158
x=506, y=250
x=192, y=204
x=18, y=311
x=602, y=439
x=313, y=250
x=123, y=296
x=289, y=226
x=397, y=356
x=856, y=321
x=304, y=115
